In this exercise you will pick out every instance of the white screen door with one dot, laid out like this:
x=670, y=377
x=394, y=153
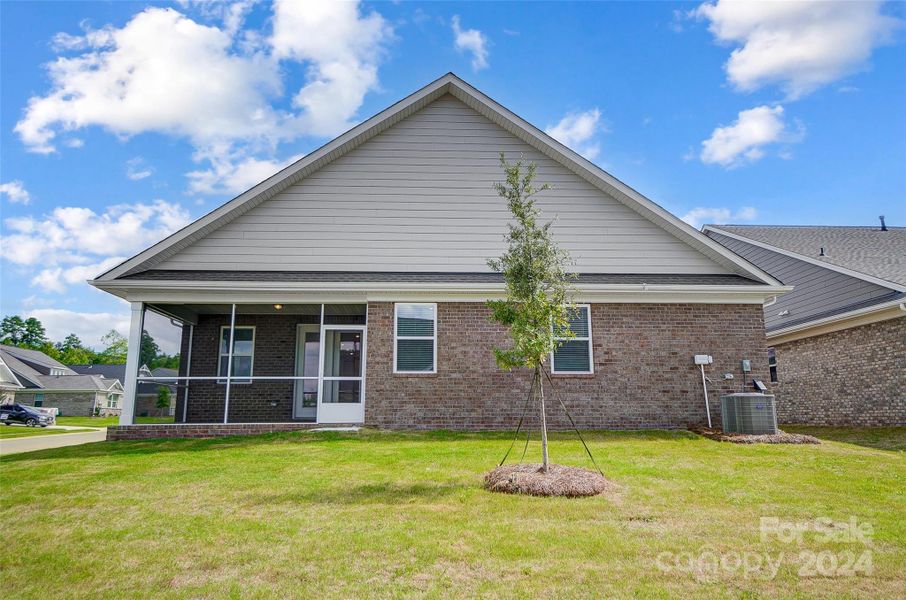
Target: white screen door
x=342, y=393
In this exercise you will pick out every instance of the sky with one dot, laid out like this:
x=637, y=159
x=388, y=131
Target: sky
x=121, y=122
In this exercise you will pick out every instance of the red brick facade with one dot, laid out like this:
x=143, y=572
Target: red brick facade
x=644, y=375
x=853, y=377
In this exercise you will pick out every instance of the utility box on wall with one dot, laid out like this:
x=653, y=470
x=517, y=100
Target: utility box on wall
x=748, y=413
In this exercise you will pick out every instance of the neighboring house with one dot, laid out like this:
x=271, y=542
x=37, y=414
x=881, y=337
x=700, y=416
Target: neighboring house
x=357, y=282
x=838, y=340
x=146, y=393
x=51, y=384
x=9, y=383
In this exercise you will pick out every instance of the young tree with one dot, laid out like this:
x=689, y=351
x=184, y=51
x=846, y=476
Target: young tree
x=538, y=283
x=163, y=397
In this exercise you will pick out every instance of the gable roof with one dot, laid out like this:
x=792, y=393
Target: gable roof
x=866, y=253
x=22, y=371
x=8, y=379
x=35, y=357
x=448, y=84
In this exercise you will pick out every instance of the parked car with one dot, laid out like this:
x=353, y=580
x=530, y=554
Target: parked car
x=17, y=413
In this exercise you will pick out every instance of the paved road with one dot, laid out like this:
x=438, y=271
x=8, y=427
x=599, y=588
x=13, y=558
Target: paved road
x=42, y=442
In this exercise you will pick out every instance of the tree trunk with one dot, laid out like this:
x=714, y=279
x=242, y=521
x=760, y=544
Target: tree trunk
x=544, y=466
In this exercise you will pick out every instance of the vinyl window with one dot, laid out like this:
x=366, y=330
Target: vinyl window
x=415, y=338
x=243, y=353
x=574, y=354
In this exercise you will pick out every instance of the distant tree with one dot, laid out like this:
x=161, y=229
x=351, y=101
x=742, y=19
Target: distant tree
x=116, y=346
x=70, y=342
x=167, y=361
x=149, y=350
x=538, y=284
x=27, y=333
x=163, y=397
x=12, y=330
x=35, y=335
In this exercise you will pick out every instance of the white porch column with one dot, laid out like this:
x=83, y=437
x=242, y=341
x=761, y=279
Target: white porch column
x=136, y=324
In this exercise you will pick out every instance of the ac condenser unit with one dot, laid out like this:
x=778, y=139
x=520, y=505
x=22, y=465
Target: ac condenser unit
x=748, y=413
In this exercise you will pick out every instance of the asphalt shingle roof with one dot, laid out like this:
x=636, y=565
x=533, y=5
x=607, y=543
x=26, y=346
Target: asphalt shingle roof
x=868, y=250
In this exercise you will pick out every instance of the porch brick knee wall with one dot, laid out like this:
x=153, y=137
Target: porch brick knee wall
x=644, y=373
x=853, y=377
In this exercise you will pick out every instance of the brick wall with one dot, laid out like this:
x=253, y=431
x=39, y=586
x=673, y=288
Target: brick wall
x=188, y=430
x=644, y=375
x=77, y=404
x=854, y=377
x=261, y=401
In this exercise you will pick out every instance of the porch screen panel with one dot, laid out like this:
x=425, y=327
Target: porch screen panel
x=416, y=338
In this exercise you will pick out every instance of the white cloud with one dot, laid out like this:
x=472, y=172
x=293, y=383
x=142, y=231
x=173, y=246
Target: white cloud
x=472, y=41
x=90, y=327
x=15, y=191
x=72, y=244
x=577, y=130
x=217, y=86
x=342, y=49
x=717, y=216
x=137, y=169
x=161, y=72
x=745, y=140
x=228, y=177
x=799, y=45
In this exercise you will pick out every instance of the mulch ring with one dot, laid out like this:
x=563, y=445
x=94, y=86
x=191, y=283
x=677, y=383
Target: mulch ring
x=529, y=479
x=781, y=437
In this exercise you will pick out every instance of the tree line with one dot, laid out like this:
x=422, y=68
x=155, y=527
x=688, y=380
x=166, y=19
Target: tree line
x=30, y=333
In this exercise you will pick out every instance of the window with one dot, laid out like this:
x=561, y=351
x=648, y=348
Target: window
x=39, y=400
x=111, y=400
x=415, y=332
x=772, y=364
x=574, y=354
x=243, y=353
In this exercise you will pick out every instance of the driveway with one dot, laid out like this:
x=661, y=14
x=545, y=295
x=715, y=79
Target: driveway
x=43, y=442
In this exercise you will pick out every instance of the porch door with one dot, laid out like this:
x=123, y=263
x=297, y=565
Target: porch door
x=308, y=360
x=342, y=394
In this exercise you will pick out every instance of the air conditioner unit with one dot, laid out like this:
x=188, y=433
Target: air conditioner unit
x=748, y=413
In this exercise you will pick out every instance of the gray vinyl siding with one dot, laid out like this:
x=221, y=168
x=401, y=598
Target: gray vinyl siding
x=818, y=291
x=418, y=197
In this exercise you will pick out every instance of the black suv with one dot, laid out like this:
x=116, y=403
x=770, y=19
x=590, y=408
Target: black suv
x=17, y=413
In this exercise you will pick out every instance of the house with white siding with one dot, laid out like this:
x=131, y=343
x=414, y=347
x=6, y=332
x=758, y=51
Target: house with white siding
x=350, y=288
x=837, y=342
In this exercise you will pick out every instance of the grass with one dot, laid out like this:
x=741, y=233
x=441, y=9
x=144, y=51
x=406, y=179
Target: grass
x=13, y=431
x=107, y=421
x=403, y=514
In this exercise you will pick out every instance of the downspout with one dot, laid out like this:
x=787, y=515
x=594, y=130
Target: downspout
x=770, y=302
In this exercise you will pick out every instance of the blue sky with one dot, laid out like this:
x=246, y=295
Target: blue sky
x=121, y=121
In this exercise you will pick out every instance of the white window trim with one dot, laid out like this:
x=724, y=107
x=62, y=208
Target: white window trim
x=236, y=380
x=396, y=337
x=588, y=339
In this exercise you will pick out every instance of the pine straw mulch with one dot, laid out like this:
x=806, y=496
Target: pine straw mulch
x=528, y=479
x=781, y=437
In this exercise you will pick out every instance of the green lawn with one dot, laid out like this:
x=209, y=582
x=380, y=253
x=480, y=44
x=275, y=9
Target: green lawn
x=107, y=421
x=17, y=431
x=395, y=514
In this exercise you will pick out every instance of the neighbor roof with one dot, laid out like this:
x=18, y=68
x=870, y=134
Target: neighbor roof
x=19, y=368
x=34, y=356
x=77, y=382
x=866, y=250
x=448, y=84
